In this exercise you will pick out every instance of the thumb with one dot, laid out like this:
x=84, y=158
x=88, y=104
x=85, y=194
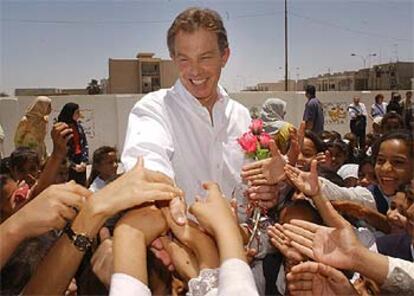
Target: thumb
x=212, y=189
x=273, y=149
x=140, y=163
x=314, y=168
x=178, y=211
x=329, y=272
x=104, y=234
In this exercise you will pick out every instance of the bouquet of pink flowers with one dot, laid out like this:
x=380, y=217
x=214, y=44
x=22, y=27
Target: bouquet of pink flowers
x=255, y=142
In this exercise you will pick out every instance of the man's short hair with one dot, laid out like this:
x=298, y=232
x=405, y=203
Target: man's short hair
x=310, y=90
x=193, y=19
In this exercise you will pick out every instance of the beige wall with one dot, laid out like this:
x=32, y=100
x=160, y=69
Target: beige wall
x=106, y=116
x=169, y=73
x=123, y=76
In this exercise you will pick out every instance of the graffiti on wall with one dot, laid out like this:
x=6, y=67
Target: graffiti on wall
x=335, y=113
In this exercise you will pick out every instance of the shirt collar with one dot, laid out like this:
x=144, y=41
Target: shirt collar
x=223, y=97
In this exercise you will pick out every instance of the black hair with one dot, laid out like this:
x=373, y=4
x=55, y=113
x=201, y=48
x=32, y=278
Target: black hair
x=331, y=176
x=401, y=134
x=304, y=204
x=310, y=90
x=326, y=136
x=392, y=115
x=98, y=156
x=319, y=144
x=338, y=144
x=5, y=165
x=66, y=114
x=21, y=156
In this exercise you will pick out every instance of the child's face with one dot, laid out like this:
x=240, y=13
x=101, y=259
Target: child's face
x=307, y=153
x=393, y=167
x=396, y=214
x=366, y=175
x=108, y=166
x=338, y=157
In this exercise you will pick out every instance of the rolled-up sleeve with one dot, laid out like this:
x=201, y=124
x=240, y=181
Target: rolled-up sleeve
x=357, y=194
x=236, y=278
x=400, y=278
x=148, y=135
x=126, y=285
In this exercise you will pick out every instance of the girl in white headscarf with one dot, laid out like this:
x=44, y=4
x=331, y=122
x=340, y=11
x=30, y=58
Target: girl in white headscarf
x=31, y=130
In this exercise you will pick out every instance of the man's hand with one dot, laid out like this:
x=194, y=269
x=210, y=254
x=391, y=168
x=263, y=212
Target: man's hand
x=268, y=171
x=134, y=188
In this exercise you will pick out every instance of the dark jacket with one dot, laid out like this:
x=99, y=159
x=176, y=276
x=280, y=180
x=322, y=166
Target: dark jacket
x=396, y=245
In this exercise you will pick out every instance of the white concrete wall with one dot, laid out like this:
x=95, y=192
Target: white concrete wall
x=106, y=116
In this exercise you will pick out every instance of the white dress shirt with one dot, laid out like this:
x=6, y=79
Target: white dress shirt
x=177, y=137
x=355, y=110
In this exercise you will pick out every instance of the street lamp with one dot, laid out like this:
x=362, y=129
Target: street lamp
x=364, y=59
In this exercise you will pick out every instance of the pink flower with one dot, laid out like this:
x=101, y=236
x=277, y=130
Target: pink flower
x=248, y=142
x=256, y=126
x=264, y=140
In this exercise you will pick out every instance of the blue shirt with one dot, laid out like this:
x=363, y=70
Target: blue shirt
x=314, y=112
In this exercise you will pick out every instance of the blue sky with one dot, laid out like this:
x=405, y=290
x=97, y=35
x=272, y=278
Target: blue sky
x=66, y=43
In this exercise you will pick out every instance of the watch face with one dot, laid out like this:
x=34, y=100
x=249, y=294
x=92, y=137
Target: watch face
x=82, y=242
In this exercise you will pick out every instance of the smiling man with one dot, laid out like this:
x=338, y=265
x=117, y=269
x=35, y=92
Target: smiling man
x=189, y=131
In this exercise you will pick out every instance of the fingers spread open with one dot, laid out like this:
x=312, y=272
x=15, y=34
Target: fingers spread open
x=300, y=231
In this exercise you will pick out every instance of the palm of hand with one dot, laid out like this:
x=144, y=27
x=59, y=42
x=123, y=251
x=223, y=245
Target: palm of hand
x=333, y=247
x=273, y=169
x=322, y=286
x=307, y=183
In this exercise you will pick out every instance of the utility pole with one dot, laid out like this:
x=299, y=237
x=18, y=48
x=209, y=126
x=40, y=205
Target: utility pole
x=286, y=48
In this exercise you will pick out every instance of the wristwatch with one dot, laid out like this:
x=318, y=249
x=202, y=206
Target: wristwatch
x=80, y=240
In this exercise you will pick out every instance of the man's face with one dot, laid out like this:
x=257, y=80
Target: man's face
x=356, y=100
x=199, y=61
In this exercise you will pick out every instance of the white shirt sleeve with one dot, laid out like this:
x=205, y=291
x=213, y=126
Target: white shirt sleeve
x=236, y=278
x=400, y=278
x=357, y=194
x=148, y=136
x=126, y=285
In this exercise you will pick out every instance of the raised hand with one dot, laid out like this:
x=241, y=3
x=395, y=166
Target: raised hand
x=215, y=215
x=306, y=182
x=201, y=244
x=268, y=171
x=267, y=196
x=184, y=260
x=312, y=278
x=134, y=188
x=102, y=259
x=294, y=149
x=60, y=202
x=61, y=133
x=282, y=243
x=334, y=246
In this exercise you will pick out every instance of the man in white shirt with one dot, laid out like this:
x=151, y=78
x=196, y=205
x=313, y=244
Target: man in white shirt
x=358, y=120
x=189, y=132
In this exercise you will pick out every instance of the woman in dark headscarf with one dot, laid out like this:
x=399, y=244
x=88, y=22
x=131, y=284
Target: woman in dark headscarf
x=78, y=152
